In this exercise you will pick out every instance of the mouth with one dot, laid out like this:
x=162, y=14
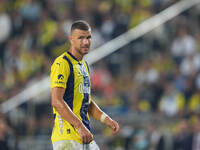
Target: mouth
x=85, y=48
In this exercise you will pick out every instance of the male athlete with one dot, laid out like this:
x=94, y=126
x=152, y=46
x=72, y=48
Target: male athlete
x=71, y=95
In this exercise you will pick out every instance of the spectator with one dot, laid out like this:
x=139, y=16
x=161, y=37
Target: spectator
x=183, y=45
x=172, y=102
x=4, y=130
x=196, y=138
x=5, y=26
x=183, y=139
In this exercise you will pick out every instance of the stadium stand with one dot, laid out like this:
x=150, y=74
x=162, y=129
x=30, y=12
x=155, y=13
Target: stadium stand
x=154, y=81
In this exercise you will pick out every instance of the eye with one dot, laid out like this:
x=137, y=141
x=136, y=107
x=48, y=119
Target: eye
x=81, y=37
x=89, y=37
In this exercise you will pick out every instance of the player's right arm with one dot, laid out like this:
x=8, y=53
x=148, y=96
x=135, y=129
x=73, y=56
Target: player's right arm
x=63, y=109
x=59, y=75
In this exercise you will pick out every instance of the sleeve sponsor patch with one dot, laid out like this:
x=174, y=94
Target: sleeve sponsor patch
x=60, y=77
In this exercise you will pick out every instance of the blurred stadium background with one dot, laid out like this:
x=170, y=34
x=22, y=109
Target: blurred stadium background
x=148, y=78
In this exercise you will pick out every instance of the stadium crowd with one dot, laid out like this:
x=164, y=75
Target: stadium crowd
x=158, y=73
x=34, y=32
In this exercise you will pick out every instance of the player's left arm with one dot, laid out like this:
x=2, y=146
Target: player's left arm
x=96, y=113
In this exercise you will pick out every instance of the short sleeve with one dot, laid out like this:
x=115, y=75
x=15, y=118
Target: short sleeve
x=59, y=73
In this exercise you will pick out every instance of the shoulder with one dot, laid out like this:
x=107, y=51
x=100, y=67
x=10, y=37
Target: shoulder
x=60, y=61
x=61, y=58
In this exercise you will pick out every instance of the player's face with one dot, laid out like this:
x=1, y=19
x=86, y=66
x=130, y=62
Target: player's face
x=80, y=40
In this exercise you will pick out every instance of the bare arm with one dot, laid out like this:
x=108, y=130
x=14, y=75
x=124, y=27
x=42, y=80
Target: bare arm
x=95, y=112
x=63, y=109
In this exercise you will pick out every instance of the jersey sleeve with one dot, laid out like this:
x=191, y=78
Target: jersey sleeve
x=59, y=73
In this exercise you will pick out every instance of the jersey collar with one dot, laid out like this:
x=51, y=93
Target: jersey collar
x=73, y=57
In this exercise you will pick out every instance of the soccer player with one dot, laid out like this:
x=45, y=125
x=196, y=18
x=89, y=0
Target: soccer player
x=71, y=95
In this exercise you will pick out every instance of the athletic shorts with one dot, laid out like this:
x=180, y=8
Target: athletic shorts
x=72, y=145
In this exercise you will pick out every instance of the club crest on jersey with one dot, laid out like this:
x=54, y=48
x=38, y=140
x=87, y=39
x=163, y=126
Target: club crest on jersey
x=60, y=76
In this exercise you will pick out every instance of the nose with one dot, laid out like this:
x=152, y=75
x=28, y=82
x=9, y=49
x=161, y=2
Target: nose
x=85, y=41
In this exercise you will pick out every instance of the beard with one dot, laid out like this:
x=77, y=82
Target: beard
x=83, y=50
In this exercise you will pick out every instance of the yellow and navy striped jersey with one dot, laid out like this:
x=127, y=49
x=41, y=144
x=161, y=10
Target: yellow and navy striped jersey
x=73, y=75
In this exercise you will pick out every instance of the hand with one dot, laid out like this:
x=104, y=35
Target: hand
x=85, y=134
x=112, y=124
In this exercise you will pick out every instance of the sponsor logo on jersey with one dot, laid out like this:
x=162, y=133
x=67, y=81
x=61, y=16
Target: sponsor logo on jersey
x=60, y=76
x=84, y=89
x=59, y=82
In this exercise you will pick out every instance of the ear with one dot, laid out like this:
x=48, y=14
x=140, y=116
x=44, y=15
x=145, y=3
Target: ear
x=70, y=39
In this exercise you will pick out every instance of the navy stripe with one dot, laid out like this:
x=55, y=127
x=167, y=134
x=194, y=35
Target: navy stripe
x=85, y=102
x=84, y=110
x=54, y=116
x=87, y=67
x=72, y=56
x=69, y=92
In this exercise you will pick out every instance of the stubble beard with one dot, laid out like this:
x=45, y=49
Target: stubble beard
x=82, y=52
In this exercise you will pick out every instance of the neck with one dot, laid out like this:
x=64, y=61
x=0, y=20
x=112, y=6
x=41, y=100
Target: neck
x=75, y=54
